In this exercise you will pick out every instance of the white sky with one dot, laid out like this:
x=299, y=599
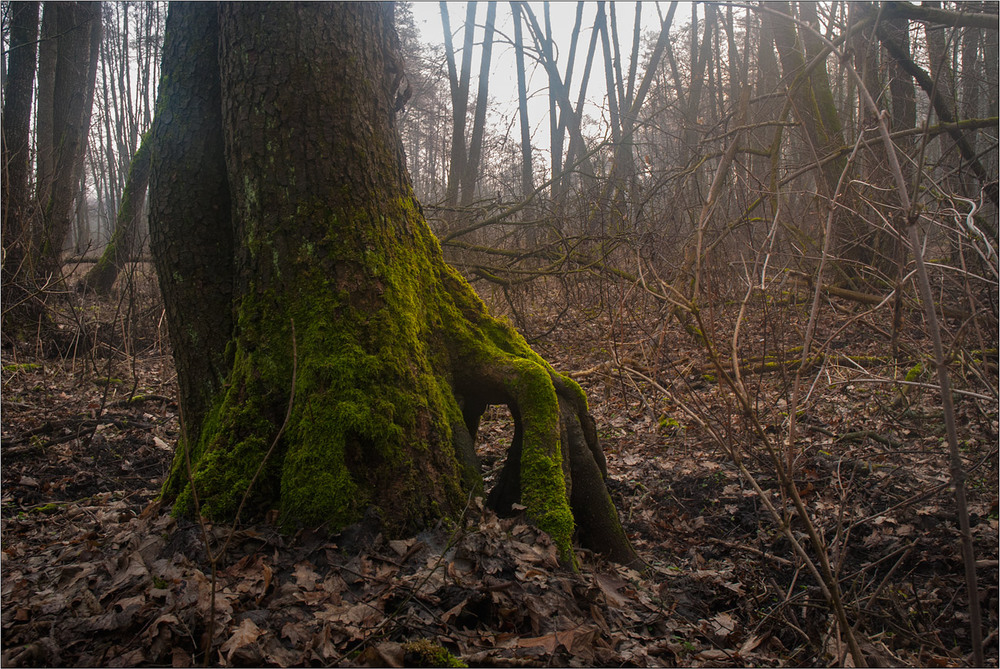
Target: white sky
x=503, y=80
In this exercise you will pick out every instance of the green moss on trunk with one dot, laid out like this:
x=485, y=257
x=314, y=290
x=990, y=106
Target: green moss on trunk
x=376, y=400
x=346, y=317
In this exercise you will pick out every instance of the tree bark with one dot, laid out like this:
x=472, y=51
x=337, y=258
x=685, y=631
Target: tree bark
x=190, y=220
x=358, y=363
x=903, y=96
x=16, y=155
x=78, y=44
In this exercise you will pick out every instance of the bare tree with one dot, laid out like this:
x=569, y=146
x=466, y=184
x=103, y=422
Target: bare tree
x=482, y=102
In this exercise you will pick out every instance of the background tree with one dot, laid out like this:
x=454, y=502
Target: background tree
x=357, y=364
x=67, y=71
x=124, y=243
x=527, y=185
x=459, y=97
x=123, y=110
x=474, y=159
x=16, y=155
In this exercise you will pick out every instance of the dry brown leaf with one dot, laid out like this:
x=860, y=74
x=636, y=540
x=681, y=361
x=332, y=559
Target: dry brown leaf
x=305, y=576
x=276, y=653
x=454, y=611
x=549, y=642
x=723, y=625
x=246, y=634
x=714, y=655
x=752, y=642
x=610, y=586
x=400, y=546
x=322, y=645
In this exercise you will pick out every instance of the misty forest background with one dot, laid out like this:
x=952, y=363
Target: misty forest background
x=766, y=246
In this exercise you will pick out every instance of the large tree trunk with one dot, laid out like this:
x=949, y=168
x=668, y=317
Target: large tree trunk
x=358, y=363
x=190, y=222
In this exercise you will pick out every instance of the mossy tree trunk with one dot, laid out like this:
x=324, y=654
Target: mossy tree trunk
x=121, y=248
x=356, y=364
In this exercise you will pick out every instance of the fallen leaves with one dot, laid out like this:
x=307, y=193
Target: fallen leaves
x=95, y=576
x=491, y=588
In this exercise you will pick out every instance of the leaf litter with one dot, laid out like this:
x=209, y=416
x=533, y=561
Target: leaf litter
x=96, y=573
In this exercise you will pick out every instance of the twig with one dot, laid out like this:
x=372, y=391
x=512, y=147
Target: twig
x=749, y=549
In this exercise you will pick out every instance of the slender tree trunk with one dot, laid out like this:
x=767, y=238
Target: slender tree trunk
x=699, y=58
x=577, y=148
x=601, y=25
x=902, y=94
x=482, y=101
x=16, y=155
x=358, y=363
x=558, y=95
x=943, y=74
x=16, y=136
x=48, y=55
x=555, y=127
x=459, y=98
x=943, y=110
x=81, y=234
x=634, y=58
x=991, y=67
x=762, y=139
x=811, y=96
x=885, y=250
x=121, y=249
x=527, y=185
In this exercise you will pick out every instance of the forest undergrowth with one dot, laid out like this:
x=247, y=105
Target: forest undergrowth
x=96, y=573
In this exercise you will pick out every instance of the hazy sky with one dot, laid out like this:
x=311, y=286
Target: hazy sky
x=503, y=81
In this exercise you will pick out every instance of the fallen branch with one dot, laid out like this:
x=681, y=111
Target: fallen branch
x=866, y=298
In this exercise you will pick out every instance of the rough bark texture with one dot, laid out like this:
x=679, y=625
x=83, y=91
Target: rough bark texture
x=345, y=316
x=190, y=225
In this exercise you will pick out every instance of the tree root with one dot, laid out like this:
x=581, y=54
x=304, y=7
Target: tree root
x=555, y=466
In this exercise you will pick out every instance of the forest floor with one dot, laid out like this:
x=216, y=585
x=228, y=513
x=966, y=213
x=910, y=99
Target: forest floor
x=96, y=573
